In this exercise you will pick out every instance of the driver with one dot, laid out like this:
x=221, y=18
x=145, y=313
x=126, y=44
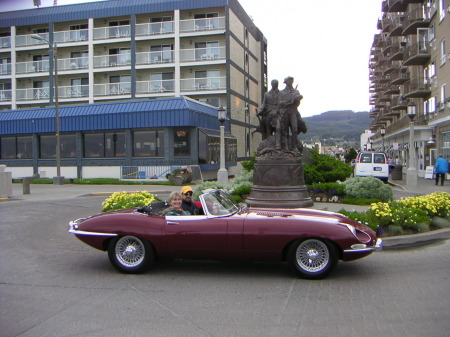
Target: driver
x=188, y=204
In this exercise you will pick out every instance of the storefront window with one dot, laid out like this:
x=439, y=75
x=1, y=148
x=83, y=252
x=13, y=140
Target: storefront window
x=104, y=145
x=181, y=143
x=148, y=143
x=48, y=146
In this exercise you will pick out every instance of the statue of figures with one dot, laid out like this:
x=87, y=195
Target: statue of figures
x=269, y=111
x=290, y=119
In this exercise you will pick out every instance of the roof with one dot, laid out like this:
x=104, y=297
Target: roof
x=99, y=9
x=168, y=112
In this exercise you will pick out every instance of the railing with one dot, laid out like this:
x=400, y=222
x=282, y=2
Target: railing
x=5, y=69
x=112, y=89
x=116, y=60
x=206, y=83
x=202, y=54
x=73, y=63
x=5, y=95
x=71, y=36
x=73, y=91
x=156, y=86
x=32, y=67
x=111, y=32
x=197, y=25
x=5, y=42
x=146, y=172
x=27, y=40
x=153, y=57
x=146, y=29
x=33, y=94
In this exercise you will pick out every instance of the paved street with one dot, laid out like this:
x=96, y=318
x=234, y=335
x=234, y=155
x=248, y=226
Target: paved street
x=51, y=284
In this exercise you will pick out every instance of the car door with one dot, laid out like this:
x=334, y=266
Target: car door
x=196, y=236
x=364, y=165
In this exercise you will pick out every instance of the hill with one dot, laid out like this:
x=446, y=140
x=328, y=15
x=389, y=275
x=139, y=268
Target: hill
x=345, y=125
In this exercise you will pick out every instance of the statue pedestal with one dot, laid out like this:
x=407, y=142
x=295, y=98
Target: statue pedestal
x=279, y=183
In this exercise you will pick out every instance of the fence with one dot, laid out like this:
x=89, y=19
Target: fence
x=146, y=172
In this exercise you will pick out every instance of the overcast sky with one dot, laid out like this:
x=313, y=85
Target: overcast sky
x=323, y=44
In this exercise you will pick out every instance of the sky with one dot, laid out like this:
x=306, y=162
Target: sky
x=325, y=47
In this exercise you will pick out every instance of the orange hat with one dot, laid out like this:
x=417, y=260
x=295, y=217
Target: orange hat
x=186, y=189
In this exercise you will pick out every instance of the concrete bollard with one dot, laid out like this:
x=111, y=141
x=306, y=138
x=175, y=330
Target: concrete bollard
x=26, y=185
x=5, y=183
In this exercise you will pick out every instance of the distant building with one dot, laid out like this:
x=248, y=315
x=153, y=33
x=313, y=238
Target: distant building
x=410, y=64
x=139, y=85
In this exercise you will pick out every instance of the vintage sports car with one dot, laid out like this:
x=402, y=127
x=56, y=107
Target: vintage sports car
x=311, y=241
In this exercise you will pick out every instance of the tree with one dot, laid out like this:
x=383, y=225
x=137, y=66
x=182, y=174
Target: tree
x=350, y=155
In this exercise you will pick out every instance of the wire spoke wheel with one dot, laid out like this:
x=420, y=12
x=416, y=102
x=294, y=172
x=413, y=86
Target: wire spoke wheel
x=130, y=254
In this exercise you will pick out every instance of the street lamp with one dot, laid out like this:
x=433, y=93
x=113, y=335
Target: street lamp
x=58, y=180
x=222, y=174
x=382, y=132
x=411, y=172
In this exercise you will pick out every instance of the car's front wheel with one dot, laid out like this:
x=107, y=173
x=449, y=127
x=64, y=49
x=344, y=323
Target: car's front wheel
x=130, y=254
x=312, y=258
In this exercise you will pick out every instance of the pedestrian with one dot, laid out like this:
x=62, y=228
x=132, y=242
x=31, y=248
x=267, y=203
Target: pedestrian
x=441, y=169
x=188, y=204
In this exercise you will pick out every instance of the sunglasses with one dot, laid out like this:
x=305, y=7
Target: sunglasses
x=188, y=193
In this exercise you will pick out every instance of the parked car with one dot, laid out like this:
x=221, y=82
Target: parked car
x=311, y=241
x=374, y=164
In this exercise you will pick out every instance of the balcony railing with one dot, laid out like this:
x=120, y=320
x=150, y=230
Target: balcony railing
x=116, y=60
x=111, y=32
x=33, y=94
x=417, y=53
x=73, y=91
x=417, y=87
x=112, y=89
x=199, y=25
x=202, y=54
x=27, y=40
x=73, y=63
x=157, y=28
x=206, y=83
x=153, y=57
x=5, y=69
x=5, y=42
x=5, y=95
x=32, y=67
x=71, y=36
x=156, y=86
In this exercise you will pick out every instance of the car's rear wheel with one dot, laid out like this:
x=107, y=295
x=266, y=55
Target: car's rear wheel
x=130, y=254
x=312, y=258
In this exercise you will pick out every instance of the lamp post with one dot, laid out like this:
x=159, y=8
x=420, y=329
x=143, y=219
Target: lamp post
x=58, y=180
x=222, y=174
x=411, y=172
x=371, y=144
x=382, y=132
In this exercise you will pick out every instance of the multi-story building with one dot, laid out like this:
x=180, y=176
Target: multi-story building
x=138, y=85
x=410, y=65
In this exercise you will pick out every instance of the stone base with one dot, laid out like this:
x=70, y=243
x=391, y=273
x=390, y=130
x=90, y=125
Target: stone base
x=58, y=180
x=279, y=183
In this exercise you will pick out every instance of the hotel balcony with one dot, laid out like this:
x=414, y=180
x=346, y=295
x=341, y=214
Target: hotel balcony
x=415, y=18
x=5, y=95
x=5, y=69
x=417, y=87
x=202, y=25
x=401, y=76
x=392, y=6
x=397, y=25
x=155, y=57
x=32, y=67
x=71, y=36
x=398, y=103
x=73, y=63
x=417, y=54
x=115, y=32
x=155, y=86
x=113, y=89
x=156, y=28
x=203, y=84
x=202, y=54
x=391, y=90
x=5, y=42
x=27, y=40
x=397, y=50
x=116, y=60
x=33, y=94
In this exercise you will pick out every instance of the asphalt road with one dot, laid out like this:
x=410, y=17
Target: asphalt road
x=51, y=284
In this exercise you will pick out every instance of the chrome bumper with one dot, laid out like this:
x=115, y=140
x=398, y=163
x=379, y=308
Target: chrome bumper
x=73, y=229
x=361, y=248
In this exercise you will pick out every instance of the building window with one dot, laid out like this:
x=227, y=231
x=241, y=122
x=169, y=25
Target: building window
x=104, y=145
x=120, y=85
x=48, y=146
x=161, y=53
x=161, y=82
x=148, y=143
x=207, y=50
x=16, y=147
x=443, y=53
x=209, y=148
x=181, y=143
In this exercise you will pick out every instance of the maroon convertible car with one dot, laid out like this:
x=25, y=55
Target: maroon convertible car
x=311, y=241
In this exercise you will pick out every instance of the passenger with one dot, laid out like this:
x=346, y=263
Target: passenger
x=188, y=204
x=175, y=200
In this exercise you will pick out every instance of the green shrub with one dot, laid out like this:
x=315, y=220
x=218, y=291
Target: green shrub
x=243, y=191
x=360, y=217
x=395, y=229
x=249, y=165
x=324, y=169
x=125, y=200
x=368, y=188
x=205, y=186
x=333, y=188
x=351, y=200
x=439, y=222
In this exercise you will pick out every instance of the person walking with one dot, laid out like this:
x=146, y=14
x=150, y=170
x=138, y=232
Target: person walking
x=441, y=169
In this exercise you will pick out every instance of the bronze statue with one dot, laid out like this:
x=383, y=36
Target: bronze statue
x=269, y=122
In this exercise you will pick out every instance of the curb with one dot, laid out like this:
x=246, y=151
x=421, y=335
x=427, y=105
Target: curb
x=402, y=240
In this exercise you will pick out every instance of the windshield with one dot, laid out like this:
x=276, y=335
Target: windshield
x=218, y=202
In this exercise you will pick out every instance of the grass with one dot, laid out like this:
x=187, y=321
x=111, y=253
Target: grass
x=100, y=181
x=350, y=200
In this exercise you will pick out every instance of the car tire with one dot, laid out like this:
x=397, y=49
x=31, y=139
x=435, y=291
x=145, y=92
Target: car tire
x=130, y=254
x=312, y=258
